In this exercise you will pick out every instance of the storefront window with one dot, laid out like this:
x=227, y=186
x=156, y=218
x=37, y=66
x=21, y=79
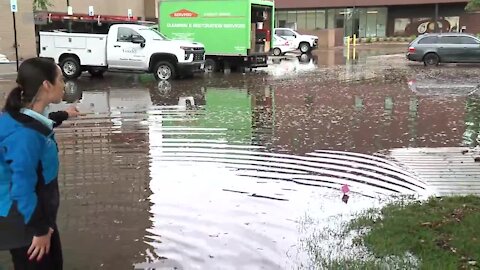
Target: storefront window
x=301, y=19
x=281, y=18
x=349, y=22
x=340, y=17
x=331, y=18
x=421, y=25
x=382, y=22
x=321, y=19
x=311, y=20
x=371, y=23
x=362, y=22
x=291, y=19
x=400, y=26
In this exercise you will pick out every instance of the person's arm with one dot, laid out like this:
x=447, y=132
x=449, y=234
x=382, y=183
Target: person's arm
x=23, y=151
x=60, y=116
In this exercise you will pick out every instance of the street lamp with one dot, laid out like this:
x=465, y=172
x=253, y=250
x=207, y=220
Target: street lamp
x=69, y=23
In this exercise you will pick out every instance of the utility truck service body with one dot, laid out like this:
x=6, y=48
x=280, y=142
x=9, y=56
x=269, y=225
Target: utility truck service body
x=127, y=48
x=236, y=33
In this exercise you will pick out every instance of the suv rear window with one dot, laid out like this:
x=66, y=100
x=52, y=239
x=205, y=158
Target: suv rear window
x=468, y=40
x=428, y=40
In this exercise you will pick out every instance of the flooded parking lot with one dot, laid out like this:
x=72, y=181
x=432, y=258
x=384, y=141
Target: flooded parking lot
x=220, y=172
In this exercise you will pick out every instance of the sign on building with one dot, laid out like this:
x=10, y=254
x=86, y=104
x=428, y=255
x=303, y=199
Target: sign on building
x=13, y=5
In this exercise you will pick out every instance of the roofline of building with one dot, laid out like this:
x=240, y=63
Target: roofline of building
x=311, y=4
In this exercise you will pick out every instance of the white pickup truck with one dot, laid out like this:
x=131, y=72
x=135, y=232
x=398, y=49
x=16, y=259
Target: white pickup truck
x=305, y=43
x=126, y=48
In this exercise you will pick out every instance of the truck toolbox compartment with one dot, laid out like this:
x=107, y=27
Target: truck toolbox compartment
x=71, y=42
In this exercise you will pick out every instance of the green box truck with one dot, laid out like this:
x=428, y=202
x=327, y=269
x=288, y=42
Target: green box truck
x=235, y=33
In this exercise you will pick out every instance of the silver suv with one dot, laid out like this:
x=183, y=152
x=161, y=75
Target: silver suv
x=432, y=49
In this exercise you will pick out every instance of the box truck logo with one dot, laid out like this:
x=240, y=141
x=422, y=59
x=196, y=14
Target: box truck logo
x=184, y=14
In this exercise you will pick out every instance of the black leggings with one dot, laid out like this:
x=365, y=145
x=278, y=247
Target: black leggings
x=52, y=261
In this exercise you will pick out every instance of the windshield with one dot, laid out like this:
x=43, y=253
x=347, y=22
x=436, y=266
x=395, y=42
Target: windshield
x=152, y=34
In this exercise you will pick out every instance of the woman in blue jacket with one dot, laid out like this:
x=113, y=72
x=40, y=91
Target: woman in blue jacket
x=29, y=194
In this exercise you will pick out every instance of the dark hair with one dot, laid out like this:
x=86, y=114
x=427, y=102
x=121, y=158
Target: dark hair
x=31, y=75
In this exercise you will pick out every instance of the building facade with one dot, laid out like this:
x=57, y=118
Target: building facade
x=26, y=20
x=25, y=30
x=378, y=18
x=103, y=7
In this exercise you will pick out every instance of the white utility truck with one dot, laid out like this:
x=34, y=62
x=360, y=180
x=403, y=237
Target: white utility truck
x=305, y=43
x=126, y=48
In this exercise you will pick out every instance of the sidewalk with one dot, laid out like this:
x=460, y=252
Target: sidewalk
x=8, y=70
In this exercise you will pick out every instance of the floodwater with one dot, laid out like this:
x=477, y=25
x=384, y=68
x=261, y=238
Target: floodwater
x=220, y=171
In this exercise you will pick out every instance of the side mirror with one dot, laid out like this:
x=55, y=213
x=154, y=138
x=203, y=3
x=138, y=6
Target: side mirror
x=138, y=40
x=295, y=36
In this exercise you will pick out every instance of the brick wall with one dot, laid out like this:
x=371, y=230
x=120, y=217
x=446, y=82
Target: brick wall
x=327, y=38
x=471, y=21
x=25, y=30
x=151, y=8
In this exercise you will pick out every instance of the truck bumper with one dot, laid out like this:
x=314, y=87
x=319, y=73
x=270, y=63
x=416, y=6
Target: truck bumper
x=257, y=60
x=194, y=67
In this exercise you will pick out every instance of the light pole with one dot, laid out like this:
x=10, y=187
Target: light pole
x=353, y=19
x=69, y=23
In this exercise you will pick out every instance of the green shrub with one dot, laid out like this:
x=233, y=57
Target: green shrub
x=369, y=40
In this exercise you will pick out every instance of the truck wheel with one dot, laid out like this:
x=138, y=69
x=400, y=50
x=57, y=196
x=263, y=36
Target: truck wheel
x=210, y=65
x=277, y=52
x=304, y=47
x=71, y=68
x=164, y=71
x=96, y=72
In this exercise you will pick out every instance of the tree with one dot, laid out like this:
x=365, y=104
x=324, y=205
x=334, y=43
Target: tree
x=473, y=5
x=41, y=4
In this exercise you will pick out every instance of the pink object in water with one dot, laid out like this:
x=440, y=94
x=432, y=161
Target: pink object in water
x=345, y=189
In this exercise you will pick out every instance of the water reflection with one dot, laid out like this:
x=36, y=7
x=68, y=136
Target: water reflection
x=444, y=88
x=293, y=65
x=216, y=173
x=471, y=136
x=221, y=200
x=197, y=177
x=104, y=179
x=466, y=90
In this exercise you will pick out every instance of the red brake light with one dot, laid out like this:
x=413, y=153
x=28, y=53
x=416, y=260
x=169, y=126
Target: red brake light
x=411, y=50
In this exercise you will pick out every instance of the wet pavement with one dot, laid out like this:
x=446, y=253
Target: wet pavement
x=220, y=172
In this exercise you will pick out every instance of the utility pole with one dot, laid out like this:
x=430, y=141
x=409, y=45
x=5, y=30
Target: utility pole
x=353, y=19
x=69, y=23
x=14, y=9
